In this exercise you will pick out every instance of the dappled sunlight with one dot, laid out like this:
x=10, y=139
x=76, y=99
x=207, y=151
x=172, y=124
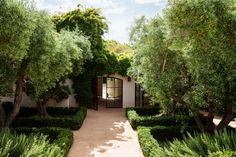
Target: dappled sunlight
x=106, y=133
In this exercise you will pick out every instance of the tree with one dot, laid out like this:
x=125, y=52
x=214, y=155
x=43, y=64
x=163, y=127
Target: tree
x=91, y=24
x=161, y=71
x=46, y=58
x=205, y=32
x=188, y=58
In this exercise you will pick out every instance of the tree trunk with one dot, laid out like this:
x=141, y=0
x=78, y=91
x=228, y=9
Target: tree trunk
x=210, y=126
x=198, y=121
x=20, y=84
x=42, y=111
x=2, y=116
x=17, y=102
x=228, y=109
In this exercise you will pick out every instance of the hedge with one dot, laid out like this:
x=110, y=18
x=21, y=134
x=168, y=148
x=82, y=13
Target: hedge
x=144, y=111
x=150, y=136
x=137, y=120
x=63, y=138
x=150, y=147
x=73, y=122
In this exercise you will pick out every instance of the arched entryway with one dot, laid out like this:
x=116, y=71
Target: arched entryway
x=110, y=92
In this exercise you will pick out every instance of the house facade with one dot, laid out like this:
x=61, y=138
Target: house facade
x=113, y=91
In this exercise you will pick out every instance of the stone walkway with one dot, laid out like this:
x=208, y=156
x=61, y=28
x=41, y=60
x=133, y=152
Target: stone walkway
x=105, y=133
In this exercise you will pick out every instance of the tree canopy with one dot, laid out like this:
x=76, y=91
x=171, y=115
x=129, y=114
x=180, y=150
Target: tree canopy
x=36, y=53
x=188, y=57
x=105, y=61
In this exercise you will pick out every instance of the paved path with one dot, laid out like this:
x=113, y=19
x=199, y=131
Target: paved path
x=105, y=133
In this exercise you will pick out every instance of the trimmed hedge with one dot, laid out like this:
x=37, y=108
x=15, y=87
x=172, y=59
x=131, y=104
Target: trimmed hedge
x=73, y=122
x=150, y=136
x=137, y=120
x=144, y=111
x=150, y=147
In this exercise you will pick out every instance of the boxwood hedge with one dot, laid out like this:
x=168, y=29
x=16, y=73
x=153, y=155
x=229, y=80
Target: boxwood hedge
x=74, y=121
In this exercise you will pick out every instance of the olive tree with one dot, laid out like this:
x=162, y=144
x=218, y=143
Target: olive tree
x=41, y=56
x=205, y=32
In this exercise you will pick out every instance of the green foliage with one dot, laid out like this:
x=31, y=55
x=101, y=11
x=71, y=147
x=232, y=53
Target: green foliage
x=218, y=144
x=160, y=70
x=63, y=138
x=206, y=36
x=158, y=119
x=17, y=24
x=187, y=57
x=31, y=145
x=149, y=145
x=92, y=24
x=74, y=121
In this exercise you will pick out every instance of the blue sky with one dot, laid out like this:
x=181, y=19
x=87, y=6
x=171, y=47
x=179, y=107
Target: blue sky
x=120, y=13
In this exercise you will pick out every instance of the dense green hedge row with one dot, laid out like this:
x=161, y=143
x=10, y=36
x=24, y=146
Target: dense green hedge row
x=172, y=120
x=220, y=144
x=72, y=122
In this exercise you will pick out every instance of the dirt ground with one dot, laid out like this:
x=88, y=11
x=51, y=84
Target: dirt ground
x=105, y=133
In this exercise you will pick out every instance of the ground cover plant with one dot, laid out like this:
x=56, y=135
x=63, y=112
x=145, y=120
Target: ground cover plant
x=218, y=144
x=33, y=144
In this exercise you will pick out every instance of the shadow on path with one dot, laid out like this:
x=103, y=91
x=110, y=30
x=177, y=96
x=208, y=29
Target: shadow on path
x=105, y=133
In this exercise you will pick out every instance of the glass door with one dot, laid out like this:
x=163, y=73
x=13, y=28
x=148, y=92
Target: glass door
x=114, y=91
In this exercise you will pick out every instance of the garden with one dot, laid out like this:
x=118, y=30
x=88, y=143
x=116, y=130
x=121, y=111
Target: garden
x=184, y=60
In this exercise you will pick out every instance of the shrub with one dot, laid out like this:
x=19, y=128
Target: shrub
x=72, y=122
x=144, y=111
x=150, y=147
x=63, y=138
x=137, y=120
x=14, y=145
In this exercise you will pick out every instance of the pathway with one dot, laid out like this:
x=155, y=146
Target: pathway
x=105, y=133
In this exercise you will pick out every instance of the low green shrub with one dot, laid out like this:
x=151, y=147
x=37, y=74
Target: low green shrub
x=150, y=147
x=137, y=120
x=14, y=145
x=73, y=122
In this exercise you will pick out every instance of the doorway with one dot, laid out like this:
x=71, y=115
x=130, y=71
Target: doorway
x=110, y=92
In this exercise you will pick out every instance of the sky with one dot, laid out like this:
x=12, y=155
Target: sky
x=120, y=13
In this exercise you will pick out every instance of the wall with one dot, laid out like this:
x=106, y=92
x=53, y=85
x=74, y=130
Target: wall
x=28, y=102
x=128, y=90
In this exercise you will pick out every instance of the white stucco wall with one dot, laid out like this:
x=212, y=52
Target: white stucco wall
x=128, y=90
x=28, y=102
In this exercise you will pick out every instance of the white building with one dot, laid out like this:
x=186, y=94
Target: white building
x=113, y=91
